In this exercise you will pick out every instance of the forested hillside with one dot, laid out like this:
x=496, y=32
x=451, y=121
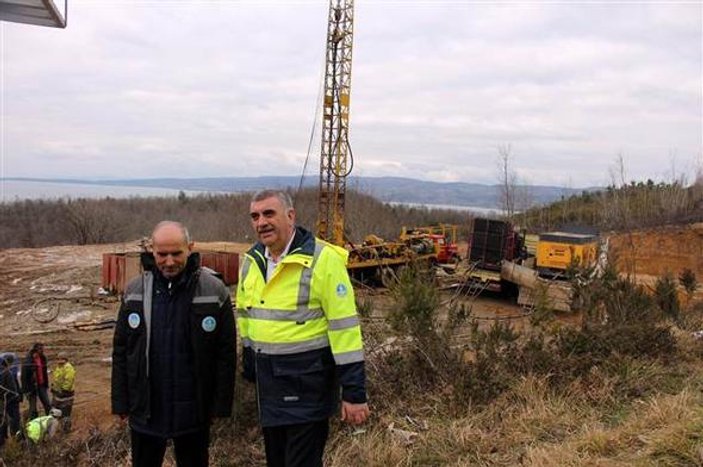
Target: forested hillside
x=628, y=207
x=39, y=223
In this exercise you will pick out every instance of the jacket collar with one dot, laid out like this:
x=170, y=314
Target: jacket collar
x=192, y=265
x=303, y=244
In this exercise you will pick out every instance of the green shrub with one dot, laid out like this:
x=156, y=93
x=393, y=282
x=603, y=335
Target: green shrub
x=666, y=297
x=416, y=302
x=688, y=281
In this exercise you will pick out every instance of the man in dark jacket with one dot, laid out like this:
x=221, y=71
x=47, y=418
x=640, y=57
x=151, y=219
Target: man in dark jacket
x=35, y=380
x=173, y=359
x=10, y=398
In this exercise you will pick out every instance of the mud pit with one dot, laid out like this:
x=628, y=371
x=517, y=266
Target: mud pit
x=73, y=273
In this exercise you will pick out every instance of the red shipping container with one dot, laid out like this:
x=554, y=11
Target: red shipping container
x=120, y=268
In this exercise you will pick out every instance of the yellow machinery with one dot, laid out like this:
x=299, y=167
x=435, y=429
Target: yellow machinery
x=374, y=256
x=336, y=158
x=441, y=238
x=556, y=251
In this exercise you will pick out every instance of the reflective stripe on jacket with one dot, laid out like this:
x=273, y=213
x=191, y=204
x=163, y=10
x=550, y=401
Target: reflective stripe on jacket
x=301, y=324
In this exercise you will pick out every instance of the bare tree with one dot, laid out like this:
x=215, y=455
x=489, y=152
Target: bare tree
x=507, y=179
x=89, y=223
x=617, y=210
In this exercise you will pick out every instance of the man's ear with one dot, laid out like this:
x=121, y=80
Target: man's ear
x=190, y=246
x=291, y=215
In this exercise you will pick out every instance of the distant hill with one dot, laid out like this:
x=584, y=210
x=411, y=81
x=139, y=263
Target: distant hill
x=388, y=189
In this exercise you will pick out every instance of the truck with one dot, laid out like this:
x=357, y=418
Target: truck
x=442, y=238
x=531, y=266
x=492, y=241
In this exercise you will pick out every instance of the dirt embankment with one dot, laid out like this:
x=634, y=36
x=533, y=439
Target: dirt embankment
x=649, y=254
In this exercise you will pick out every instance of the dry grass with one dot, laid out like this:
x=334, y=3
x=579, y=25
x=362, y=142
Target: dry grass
x=531, y=424
x=619, y=410
x=534, y=425
x=664, y=430
x=622, y=410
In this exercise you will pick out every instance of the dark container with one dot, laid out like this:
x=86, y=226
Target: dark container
x=492, y=241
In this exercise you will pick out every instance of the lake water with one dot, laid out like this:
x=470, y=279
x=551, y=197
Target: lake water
x=473, y=209
x=15, y=190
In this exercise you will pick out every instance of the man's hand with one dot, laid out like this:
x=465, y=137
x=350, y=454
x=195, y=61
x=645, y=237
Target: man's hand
x=355, y=414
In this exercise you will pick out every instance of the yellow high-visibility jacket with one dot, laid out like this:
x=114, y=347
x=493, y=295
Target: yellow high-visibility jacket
x=300, y=331
x=64, y=378
x=41, y=427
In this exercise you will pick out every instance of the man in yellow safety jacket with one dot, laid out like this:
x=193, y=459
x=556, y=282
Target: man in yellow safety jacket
x=41, y=428
x=62, y=389
x=300, y=332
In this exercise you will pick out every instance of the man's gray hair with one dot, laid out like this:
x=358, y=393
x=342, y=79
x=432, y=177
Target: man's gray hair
x=184, y=230
x=282, y=196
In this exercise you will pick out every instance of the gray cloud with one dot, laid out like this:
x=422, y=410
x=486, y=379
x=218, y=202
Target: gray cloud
x=151, y=89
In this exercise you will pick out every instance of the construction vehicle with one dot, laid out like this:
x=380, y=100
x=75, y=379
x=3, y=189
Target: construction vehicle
x=533, y=266
x=376, y=260
x=375, y=257
x=558, y=251
x=492, y=241
x=442, y=238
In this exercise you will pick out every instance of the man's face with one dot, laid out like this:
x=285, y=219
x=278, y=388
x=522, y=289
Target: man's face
x=272, y=223
x=170, y=250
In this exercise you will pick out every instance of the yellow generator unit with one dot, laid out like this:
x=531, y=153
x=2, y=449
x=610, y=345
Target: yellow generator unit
x=556, y=251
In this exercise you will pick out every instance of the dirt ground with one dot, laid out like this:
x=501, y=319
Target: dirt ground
x=72, y=274
x=69, y=276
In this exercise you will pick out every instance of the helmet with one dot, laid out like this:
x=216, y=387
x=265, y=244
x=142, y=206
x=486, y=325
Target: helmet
x=56, y=413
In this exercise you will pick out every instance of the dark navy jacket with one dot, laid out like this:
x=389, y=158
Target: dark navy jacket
x=186, y=328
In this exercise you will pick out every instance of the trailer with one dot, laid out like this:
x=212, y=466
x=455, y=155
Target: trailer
x=491, y=242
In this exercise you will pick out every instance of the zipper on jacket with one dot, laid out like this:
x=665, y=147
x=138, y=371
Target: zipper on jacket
x=256, y=374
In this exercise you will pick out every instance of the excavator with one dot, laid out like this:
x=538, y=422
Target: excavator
x=375, y=259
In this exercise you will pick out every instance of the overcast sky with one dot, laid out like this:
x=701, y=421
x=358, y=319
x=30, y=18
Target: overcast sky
x=137, y=89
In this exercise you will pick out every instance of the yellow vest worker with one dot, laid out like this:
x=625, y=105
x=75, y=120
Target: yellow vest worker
x=62, y=394
x=300, y=332
x=64, y=378
x=44, y=427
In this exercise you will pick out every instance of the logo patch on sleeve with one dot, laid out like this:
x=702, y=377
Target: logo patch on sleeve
x=133, y=320
x=209, y=324
x=341, y=290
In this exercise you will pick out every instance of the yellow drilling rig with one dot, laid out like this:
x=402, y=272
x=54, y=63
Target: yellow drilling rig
x=375, y=258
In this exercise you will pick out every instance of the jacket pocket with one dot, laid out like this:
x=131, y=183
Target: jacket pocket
x=301, y=378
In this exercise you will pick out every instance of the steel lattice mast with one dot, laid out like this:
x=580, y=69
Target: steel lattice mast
x=335, y=155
